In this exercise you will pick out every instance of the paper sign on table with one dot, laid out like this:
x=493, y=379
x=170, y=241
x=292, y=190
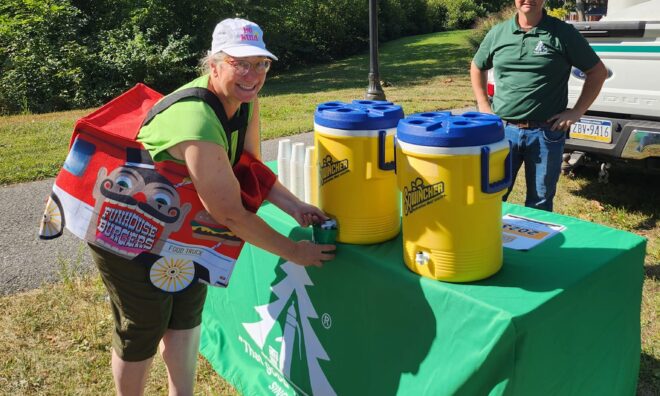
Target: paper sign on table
x=523, y=233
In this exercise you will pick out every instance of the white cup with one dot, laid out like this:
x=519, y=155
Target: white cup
x=311, y=177
x=297, y=170
x=284, y=162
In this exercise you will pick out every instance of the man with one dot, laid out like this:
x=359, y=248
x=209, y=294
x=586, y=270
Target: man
x=532, y=54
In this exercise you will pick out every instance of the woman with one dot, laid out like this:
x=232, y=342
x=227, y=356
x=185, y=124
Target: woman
x=189, y=132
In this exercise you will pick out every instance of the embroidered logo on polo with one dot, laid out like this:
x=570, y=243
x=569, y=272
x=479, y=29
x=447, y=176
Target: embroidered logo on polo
x=540, y=48
x=284, y=341
x=420, y=195
x=332, y=169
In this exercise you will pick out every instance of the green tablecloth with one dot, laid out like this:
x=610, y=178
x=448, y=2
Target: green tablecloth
x=560, y=319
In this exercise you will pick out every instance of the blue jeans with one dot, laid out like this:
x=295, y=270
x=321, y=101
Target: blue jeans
x=540, y=149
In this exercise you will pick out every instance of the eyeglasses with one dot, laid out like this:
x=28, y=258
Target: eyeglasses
x=243, y=67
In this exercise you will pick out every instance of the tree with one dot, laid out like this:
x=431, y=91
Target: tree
x=40, y=56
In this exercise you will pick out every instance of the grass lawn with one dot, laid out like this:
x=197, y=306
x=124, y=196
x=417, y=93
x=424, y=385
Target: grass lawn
x=55, y=339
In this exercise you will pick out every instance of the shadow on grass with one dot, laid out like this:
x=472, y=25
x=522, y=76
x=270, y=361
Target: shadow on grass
x=422, y=58
x=649, y=379
x=652, y=271
x=628, y=188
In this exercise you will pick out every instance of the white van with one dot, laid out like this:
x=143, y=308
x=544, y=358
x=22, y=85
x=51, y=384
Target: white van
x=623, y=123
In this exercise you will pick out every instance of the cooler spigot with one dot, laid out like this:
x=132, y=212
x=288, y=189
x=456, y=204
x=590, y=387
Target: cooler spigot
x=422, y=258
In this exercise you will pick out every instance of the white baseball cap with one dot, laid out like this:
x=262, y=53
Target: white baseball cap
x=240, y=38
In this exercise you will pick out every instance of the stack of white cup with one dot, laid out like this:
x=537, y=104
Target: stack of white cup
x=296, y=170
x=283, y=162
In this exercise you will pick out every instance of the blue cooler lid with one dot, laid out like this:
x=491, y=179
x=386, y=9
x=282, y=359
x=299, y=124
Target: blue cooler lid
x=366, y=102
x=359, y=115
x=443, y=129
x=431, y=114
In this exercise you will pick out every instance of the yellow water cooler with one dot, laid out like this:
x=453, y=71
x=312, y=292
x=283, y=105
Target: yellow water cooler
x=452, y=172
x=355, y=157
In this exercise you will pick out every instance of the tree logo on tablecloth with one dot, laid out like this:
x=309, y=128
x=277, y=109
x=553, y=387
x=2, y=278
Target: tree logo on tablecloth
x=297, y=334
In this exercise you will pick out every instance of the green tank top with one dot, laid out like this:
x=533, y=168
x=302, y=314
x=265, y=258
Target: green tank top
x=188, y=119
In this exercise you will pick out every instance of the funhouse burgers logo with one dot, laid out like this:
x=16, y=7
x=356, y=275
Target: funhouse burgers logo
x=125, y=228
x=332, y=169
x=420, y=194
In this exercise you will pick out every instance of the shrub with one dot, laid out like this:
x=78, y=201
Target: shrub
x=397, y=18
x=39, y=52
x=437, y=14
x=306, y=31
x=559, y=13
x=484, y=25
x=52, y=59
x=128, y=55
x=461, y=14
x=493, y=5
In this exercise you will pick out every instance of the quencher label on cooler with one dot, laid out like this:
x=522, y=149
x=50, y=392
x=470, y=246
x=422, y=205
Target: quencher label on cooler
x=420, y=195
x=331, y=168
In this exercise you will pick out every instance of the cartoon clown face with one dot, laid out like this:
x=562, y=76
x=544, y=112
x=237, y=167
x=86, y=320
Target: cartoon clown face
x=136, y=208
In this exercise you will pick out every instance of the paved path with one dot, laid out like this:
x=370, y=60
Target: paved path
x=26, y=262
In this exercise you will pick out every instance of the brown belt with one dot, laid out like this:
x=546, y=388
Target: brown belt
x=528, y=123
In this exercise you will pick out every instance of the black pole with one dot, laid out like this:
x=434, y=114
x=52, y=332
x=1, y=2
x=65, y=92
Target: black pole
x=374, y=91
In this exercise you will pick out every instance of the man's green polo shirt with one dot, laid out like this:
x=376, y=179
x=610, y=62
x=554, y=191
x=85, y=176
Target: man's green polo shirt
x=532, y=68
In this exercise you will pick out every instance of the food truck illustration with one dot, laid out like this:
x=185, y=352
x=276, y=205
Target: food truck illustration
x=111, y=194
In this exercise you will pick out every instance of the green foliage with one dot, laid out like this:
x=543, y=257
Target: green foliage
x=559, y=13
x=390, y=22
x=484, y=25
x=39, y=48
x=567, y=4
x=64, y=54
x=494, y=5
x=399, y=18
x=437, y=14
x=461, y=14
x=307, y=32
x=128, y=55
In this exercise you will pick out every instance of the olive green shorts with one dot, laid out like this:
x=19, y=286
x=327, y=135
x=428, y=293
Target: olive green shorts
x=142, y=313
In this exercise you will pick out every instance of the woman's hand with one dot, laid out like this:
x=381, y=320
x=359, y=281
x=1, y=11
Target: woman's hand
x=306, y=214
x=308, y=253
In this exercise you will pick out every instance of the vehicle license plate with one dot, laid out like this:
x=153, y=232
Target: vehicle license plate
x=592, y=129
